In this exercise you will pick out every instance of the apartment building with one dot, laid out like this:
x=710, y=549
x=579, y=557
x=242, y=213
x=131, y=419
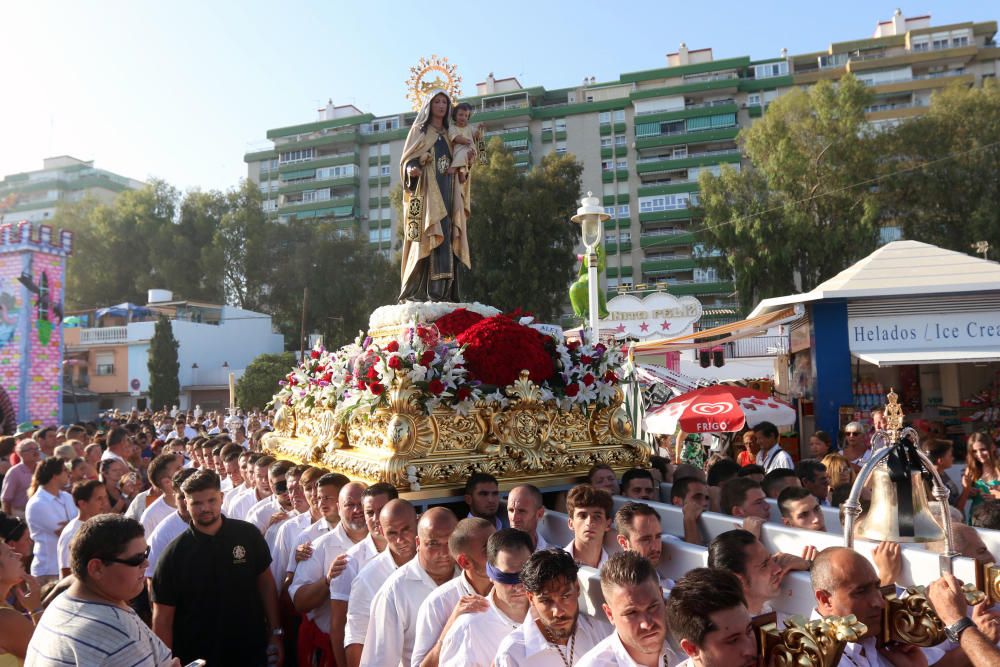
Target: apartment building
x=34, y=195
x=643, y=139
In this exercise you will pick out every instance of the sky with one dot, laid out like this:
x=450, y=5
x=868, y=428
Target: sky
x=180, y=90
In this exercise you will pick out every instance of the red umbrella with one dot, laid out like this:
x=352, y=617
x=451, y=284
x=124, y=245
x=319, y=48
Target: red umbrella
x=718, y=409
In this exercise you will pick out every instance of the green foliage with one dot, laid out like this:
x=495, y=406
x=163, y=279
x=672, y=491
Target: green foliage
x=941, y=185
x=260, y=381
x=164, y=368
x=521, y=240
x=796, y=217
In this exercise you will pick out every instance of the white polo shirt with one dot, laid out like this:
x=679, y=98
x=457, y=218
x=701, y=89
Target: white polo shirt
x=231, y=496
x=392, y=629
x=271, y=534
x=65, y=536
x=326, y=548
x=611, y=651
x=359, y=607
x=527, y=647
x=262, y=510
x=284, y=544
x=357, y=557
x=165, y=533
x=775, y=458
x=45, y=514
x=242, y=505
x=540, y=543
x=138, y=506
x=434, y=613
x=155, y=513
x=572, y=552
x=307, y=536
x=473, y=639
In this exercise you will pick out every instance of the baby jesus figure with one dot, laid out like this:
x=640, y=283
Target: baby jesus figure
x=463, y=141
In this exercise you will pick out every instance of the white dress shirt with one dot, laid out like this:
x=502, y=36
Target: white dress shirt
x=527, y=647
x=473, y=639
x=231, y=496
x=357, y=557
x=572, y=552
x=225, y=484
x=391, y=633
x=241, y=506
x=284, y=544
x=359, y=606
x=326, y=548
x=64, y=537
x=138, y=506
x=155, y=513
x=611, y=652
x=271, y=534
x=45, y=514
x=434, y=613
x=775, y=458
x=540, y=543
x=165, y=533
x=262, y=512
x=310, y=534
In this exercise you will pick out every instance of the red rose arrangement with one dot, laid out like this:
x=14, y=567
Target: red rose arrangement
x=497, y=349
x=457, y=322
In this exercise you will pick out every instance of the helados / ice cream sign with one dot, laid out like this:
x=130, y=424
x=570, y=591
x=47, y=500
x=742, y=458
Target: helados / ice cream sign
x=657, y=315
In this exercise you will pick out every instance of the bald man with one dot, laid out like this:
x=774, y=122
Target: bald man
x=310, y=587
x=463, y=594
x=398, y=521
x=392, y=629
x=525, y=510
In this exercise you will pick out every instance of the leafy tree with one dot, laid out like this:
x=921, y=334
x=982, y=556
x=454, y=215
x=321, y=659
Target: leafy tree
x=260, y=381
x=184, y=254
x=940, y=184
x=164, y=382
x=801, y=212
x=243, y=239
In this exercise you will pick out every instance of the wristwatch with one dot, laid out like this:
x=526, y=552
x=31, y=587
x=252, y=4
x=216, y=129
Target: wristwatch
x=954, y=631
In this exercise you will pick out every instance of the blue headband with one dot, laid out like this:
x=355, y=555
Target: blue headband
x=509, y=578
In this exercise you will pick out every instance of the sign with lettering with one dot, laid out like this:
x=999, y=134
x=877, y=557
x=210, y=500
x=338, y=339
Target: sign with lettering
x=657, y=315
x=929, y=331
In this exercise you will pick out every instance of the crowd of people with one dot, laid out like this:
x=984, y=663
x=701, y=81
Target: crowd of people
x=156, y=541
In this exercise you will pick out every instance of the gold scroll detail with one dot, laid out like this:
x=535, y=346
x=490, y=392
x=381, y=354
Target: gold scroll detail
x=802, y=643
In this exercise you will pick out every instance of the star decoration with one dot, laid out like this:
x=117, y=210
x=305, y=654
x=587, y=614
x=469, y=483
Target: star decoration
x=644, y=327
x=620, y=328
x=664, y=325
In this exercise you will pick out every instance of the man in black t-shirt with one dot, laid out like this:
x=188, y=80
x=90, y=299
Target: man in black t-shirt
x=213, y=593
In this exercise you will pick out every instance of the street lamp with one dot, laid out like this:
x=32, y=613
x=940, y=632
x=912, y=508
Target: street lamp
x=591, y=216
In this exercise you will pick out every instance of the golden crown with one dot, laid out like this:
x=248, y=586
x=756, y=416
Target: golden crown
x=420, y=83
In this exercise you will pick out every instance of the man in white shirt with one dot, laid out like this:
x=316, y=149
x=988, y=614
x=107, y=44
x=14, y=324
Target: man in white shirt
x=473, y=639
x=181, y=429
x=245, y=461
x=771, y=455
x=638, y=484
x=277, y=503
x=398, y=523
x=262, y=489
x=525, y=509
x=173, y=525
x=742, y=497
x=589, y=512
x=161, y=473
x=759, y=572
x=392, y=629
x=465, y=593
x=310, y=587
x=296, y=504
x=708, y=618
x=800, y=509
x=633, y=602
x=91, y=499
x=482, y=495
x=327, y=500
x=554, y=633
x=694, y=498
x=638, y=528
x=305, y=501
x=119, y=446
x=373, y=500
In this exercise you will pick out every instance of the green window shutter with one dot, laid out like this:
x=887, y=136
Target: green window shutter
x=702, y=123
x=724, y=120
x=647, y=129
x=303, y=173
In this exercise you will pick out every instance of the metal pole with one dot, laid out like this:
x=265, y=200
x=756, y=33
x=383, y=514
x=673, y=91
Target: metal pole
x=592, y=280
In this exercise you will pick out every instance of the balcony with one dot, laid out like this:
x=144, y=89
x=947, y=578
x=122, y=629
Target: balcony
x=104, y=336
x=663, y=163
x=757, y=346
x=688, y=137
x=687, y=107
x=663, y=237
x=667, y=264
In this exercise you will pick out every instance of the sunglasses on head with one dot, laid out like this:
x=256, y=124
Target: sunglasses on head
x=131, y=561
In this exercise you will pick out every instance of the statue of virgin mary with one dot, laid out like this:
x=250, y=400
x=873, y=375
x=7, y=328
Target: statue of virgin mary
x=435, y=244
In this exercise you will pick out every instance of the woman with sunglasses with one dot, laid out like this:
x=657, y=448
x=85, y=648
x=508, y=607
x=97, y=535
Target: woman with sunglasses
x=108, y=558
x=47, y=513
x=15, y=627
x=856, y=449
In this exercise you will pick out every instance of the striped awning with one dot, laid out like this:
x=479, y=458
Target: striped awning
x=718, y=335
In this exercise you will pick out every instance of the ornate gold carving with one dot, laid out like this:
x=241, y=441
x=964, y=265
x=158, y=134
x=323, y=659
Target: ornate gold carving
x=419, y=84
x=911, y=619
x=802, y=643
x=893, y=415
x=529, y=440
x=989, y=581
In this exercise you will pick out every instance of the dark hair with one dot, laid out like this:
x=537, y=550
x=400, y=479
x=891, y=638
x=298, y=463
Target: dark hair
x=458, y=107
x=381, y=489
x=584, y=495
x=333, y=479
x=839, y=494
x=7, y=444
x=627, y=513
x=809, y=469
x=231, y=452
x=116, y=436
x=600, y=466
x=76, y=463
x=447, y=113
x=752, y=469
x=158, y=469
x=507, y=539
x=728, y=550
x=938, y=449
x=635, y=473
x=722, y=471
x=734, y=492
x=84, y=491
x=681, y=487
x=12, y=528
x=627, y=568
x=264, y=461
x=791, y=494
x=696, y=596
x=766, y=428
x=661, y=464
x=546, y=566
x=43, y=432
x=47, y=470
x=180, y=477
x=202, y=480
x=773, y=479
x=104, y=537
x=279, y=468
x=105, y=464
x=825, y=438
x=987, y=515
x=477, y=478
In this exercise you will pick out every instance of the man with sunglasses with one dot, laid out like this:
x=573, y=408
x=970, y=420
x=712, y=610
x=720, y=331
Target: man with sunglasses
x=213, y=594
x=107, y=557
x=473, y=639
